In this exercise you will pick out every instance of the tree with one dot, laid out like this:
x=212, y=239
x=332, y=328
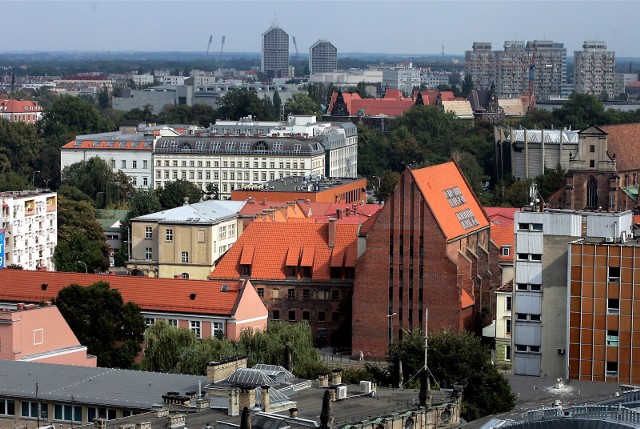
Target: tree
x=110, y=328
x=104, y=100
x=581, y=111
x=277, y=104
x=174, y=194
x=97, y=180
x=301, y=104
x=164, y=345
x=361, y=89
x=467, y=85
x=240, y=103
x=455, y=358
x=387, y=184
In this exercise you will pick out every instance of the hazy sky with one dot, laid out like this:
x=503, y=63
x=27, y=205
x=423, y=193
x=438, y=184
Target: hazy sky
x=413, y=27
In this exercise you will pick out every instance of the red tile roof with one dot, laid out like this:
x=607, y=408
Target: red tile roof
x=466, y=300
x=164, y=295
x=19, y=106
x=623, y=141
x=111, y=145
x=278, y=245
x=501, y=219
x=392, y=106
x=433, y=182
x=351, y=213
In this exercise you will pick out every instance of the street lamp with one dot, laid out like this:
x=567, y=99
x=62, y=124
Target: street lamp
x=391, y=316
x=33, y=177
x=85, y=266
x=46, y=184
x=376, y=177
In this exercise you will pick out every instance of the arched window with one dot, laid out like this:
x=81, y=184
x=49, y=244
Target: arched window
x=261, y=146
x=592, y=193
x=185, y=276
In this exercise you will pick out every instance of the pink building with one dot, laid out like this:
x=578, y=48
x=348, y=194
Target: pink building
x=40, y=334
x=20, y=111
x=206, y=307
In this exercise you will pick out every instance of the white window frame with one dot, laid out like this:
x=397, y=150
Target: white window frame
x=196, y=328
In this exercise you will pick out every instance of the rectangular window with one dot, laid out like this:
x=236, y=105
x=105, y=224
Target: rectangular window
x=335, y=294
x=261, y=292
x=168, y=234
x=506, y=250
x=275, y=293
x=306, y=294
x=148, y=321
x=613, y=306
x=102, y=412
x=217, y=329
x=148, y=232
x=144, y=164
x=612, y=338
x=508, y=304
x=305, y=315
x=222, y=232
x=292, y=315
x=592, y=148
x=231, y=231
x=134, y=164
x=614, y=274
x=507, y=327
x=321, y=316
x=7, y=407
x=612, y=369
x=507, y=353
x=291, y=293
x=194, y=325
x=124, y=163
x=184, y=257
x=275, y=315
x=32, y=409
x=172, y=322
x=67, y=413
x=148, y=253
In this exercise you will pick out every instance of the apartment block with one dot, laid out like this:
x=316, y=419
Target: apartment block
x=404, y=79
x=595, y=70
x=549, y=60
x=540, y=292
x=323, y=57
x=30, y=223
x=479, y=63
x=275, y=53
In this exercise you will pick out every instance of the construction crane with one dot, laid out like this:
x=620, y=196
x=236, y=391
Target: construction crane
x=295, y=45
x=209, y=45
x=532, y=102
x=221, y=51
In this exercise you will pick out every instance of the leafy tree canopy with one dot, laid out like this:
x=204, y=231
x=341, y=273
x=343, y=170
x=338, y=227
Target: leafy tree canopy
x=241, y=102
x=110, y=328
x=99, y=182
x=301, y=104
x=174, y=193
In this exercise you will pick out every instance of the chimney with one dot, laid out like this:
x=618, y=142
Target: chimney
x=264, y=201
x=324, y=380
x=336, y=376
x=234, y=405
x=332, y=393
x=20, y=306
x=266, y=400
x=332, y=232
x=339, y=213
x=245, y=400
x=293, y=413
x=325, y=415
x=251, y=200
x=186, y=201
x=245, y=421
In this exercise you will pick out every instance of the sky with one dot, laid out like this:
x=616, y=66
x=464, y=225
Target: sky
x=367, y=26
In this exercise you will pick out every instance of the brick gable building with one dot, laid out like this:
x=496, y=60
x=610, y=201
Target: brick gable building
x=429, y=249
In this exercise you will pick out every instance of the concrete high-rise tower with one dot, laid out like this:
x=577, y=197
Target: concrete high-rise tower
x=595, y=69
x=323, y=57
x=275, y=52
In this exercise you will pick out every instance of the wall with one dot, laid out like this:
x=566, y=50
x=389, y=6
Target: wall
x=250, y=313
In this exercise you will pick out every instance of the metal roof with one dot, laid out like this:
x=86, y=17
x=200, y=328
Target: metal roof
x=206, y=212
x=99, y=386
x=550, y=136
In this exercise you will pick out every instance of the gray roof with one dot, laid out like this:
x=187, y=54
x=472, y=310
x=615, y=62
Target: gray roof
x=99, y=386
x=284, y=146
x=206, y=212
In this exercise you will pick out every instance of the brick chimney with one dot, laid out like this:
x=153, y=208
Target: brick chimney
x=336, y=376
x=332, y=232
x=324, y=380
x=264, y=202
x=245, y=399
x=266, y=400
x=339, y=213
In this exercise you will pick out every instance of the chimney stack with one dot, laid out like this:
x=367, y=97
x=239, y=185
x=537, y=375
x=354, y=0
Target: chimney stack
x=266, y=400
x=234, y=404
x=245, y=421
x=186, y=201
x=324, y=380
x=332, y=233
x=336, y=376
x=293, y=413
x=325, y=415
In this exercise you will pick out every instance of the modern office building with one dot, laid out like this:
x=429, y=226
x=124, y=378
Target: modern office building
x=595, y=70
x=541, y=311
x=404, y=79
x=323, y=57
x=30, y=223
x=275, y=53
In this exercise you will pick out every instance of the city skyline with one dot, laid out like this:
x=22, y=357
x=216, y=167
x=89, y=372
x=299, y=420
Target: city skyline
x=371, y=26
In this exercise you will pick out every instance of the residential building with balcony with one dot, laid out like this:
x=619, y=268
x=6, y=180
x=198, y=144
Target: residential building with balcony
x=183, y=242
x=323, y=57
x=275, y=53
x=595, y=70
x=30, y=223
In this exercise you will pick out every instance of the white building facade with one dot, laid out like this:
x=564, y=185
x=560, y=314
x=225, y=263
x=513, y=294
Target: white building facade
x=30, y=223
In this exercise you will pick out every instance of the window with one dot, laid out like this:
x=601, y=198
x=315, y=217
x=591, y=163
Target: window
x=144, y=164
x=217, y=329
x=172, y=322
x=592, y=192
x=145, y=181
x=148, y=321
x=612, y=369
x=113, y=163
x=148, y=232
x=261, y=292
x=335, y=294
x=613, y=306
x=291, y=293
x=184, y=276
x=507, y=327
x=148, y=253
x=184, y=257
x=194, y=325
x=530, y=226
x=102, y=412
x=124, y=163
x=32, y=409
x=614, y=274
x=508, y=304
x=305, y=315
x=306, y=294
x=505, y=250
x=612, y=338
x=231, y=230
x=7, y=407
x=592, y=148
x=134, y=181
x=275, y=293
x=528, y=317
x=222, y=232
x=527, y=349
x=168, y=234
x=530, y=257
x=530, y=287
x=321, y=316
x=275, y=315
x=67, y=413
x=507, y=353
x=134, y=164
x=292, y=315
x=592, y=163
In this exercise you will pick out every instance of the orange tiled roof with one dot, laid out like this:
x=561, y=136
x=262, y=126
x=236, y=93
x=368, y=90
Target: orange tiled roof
x=112, y=145
x=19, y=106
x=391, y=106
x=165, y=295
x=623, y=141
x=433, y=182
x=351, y=213
x=278, y=245
x=501, y=220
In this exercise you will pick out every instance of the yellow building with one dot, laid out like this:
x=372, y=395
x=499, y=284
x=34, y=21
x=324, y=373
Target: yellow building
x=185, y=241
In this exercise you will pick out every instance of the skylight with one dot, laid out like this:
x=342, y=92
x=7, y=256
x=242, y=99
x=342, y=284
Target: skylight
x=467, y=219
x=454, y=196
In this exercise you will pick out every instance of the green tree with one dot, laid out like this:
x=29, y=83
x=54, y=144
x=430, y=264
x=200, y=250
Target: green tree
x=387, y=184
x=20, y=148
x=580, y=111
x=455, y=358
x=104, y=99
x=277, y=104
x=551, y=181
x=467, y=85
x=111, y=329
x=99, y=182
x=301, y=104
x=517, y=195
x=242, y=102
x=361, y=89
x=174, y=194
x=164, y=345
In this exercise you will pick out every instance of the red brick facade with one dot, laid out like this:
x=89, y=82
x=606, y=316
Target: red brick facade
x=410, y=265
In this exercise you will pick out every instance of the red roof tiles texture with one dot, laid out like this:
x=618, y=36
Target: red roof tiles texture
x=623, y=141
x=433, y=181
x=278, y=245
x=165, y=295
x=19, y=106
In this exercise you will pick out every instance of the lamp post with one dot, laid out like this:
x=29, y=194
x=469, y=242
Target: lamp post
x=46, y=184
x=85, y=266
x=376, y=177
x=391, y=316
x=33, y=177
